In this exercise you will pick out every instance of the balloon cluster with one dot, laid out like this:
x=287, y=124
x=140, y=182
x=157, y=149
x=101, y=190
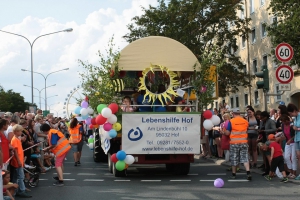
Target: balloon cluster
x=91, y=142
x=107, y=119
x=210, y=120
x=84, y=110
x=122, y=160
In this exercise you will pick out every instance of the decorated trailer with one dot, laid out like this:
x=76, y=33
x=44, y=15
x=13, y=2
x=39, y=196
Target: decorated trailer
x=160, y=136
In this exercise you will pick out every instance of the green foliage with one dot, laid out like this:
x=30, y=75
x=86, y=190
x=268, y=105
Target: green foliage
x=287, y=27
x=12, y=101
x=202, y=26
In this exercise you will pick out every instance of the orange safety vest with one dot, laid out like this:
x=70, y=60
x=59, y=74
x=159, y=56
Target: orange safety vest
x=75, y=136
x=62, y=145
x=239, y=128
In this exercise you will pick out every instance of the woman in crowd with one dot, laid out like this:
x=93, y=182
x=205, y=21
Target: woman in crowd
x=252, y=136
x=225, y=141
x=4, y=141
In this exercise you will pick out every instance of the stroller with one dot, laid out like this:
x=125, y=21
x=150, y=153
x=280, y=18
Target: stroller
x=33, y=174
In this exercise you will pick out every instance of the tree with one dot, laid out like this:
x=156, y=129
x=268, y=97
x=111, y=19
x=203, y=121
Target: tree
x=286, y=25
x=203, y=26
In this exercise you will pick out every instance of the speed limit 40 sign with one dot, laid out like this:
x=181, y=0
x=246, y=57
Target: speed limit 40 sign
x=284, y=52
x=284, y=74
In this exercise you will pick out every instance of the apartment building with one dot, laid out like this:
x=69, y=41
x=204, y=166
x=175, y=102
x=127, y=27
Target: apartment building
x=255, y=53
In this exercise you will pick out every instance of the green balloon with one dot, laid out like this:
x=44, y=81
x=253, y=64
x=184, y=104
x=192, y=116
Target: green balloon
x=90, y=140
x=120, y=165
x=100, y=107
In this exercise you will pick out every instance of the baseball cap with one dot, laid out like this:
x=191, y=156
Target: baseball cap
x=236, y=110
x=271, y=137
x=281, y=103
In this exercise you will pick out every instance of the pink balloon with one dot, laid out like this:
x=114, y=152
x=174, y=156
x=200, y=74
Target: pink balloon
x=107, y=126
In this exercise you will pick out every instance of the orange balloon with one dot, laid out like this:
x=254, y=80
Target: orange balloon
x=96, y=126
x=126, y=166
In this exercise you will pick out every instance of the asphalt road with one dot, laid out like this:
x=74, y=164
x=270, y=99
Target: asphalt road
x=93, y=181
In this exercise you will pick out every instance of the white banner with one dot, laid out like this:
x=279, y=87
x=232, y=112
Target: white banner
x=161, y=133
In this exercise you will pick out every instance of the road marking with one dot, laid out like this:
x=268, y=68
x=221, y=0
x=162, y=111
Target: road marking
x=121, y=180
x=108, y=174
x=217, y=174
x=69, y=179
x=86, y=174
x=240, y=173
x=64, y=173
x=93, y=180
x=192, y=174
x=180, y=180
x=42, y=179
x=207, y=180
x=238, y=180
x=150, y=180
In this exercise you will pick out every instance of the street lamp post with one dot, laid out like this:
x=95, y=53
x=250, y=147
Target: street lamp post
x=31, y=46
x=40, y=91
x=45, y=77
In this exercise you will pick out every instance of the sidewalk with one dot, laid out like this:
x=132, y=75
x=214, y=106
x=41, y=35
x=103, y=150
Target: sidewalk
x=227, y=164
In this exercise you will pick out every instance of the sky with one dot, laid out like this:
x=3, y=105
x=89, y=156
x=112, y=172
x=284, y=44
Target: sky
x=93, y=22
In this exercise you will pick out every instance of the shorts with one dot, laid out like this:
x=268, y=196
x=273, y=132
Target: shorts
x=77, y=147
x=238, y=153
x=297, y=146
x=252, y=136
x=277, y=162
x=59, y=160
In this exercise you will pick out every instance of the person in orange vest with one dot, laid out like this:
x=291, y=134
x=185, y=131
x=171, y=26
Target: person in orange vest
x=60, y=146
x=237, y=131
x=76, y=132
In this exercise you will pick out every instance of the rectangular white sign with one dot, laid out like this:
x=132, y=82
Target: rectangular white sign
x=161, y=133
x=284, y=87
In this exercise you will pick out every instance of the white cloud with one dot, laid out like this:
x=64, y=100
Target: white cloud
x=59, y=51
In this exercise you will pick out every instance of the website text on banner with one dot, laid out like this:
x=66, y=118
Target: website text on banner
x=161, y=133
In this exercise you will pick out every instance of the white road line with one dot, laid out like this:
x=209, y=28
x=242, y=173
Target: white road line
x=180, y=180
x=108, y=174
x=150, y=180
x=64, y=173
x=69, y=179
x=217, y=174
x=207, y=180
x=122, y=180
x=93, y=180
x=86, y=174
x=238, y=180
x=240, y=173
x=43, y=179
x=192, y=174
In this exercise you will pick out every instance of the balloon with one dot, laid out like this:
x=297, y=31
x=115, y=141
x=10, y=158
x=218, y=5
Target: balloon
x=112, y=133
x=215, y=120
x=120, y=165
x=86, y=98
x=90, y=110
x=208, y=125
x=90, y=140
x=129, y=159
x=84, y=104
x=114, y=158
x=91, y=126
x=218, y=183
x=100, y=120
x=107, y=126
x=84, y=111
x=100, y=107
x=126, y=166
x=84, y=117
x=121, y=155
x=77, y=110
x=117, y=126
x=91, y=146
x=88, y=121
x=114, y=107
x=203, y=89
x=106, y=135
x=207, y=114
x=96, y=126
x=93, y=121
x=106, y=112
x=112, y=119
x=91, y=136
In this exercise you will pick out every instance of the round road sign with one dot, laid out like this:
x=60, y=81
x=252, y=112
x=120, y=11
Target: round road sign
x=284, y=74
x=284, y=52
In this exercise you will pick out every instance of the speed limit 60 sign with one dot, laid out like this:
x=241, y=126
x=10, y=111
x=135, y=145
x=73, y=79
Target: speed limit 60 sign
x=284, y=52
x=284, y=74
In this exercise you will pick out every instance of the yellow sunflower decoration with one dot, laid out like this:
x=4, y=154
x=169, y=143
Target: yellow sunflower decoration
x=166, y=94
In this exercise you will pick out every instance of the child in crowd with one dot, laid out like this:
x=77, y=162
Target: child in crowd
x=277, y=159
x=9, y=186
x=180, y=101
x=35, y=158
x=48, y=156
x=18, y=160
x=126, y=107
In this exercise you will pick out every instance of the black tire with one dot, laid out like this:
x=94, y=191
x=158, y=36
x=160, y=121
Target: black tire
x=118, y=173
x=98, y=153
x=110, y=164
x=170, y=167
x=181, y=169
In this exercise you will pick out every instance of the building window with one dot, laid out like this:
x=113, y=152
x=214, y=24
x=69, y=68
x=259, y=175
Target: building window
x=245, y=68
x=243, y=12
x=216, y=105
x=254, y=64
x=278, y=98
x=256, y=97
x=243, y=41
x=237, y=103
x=265, y=60
x=246, y=99
x=223, y=102
x=231, y=102
x=253, y=36
x=263, y=30
x=262, y=2
x=274, y=21
x=252, y=6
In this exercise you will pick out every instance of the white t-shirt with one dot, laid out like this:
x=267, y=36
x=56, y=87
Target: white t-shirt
x=227, y=107
x=9, y=129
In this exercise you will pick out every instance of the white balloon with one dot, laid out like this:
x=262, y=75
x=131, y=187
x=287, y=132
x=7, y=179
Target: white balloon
x=106, y=135
x=106, y=112
x=112, y=119
x=84, y=111
x=215, y=120
x=208, y=124
x=91, y=146
x=90, y=110
x=129, y=159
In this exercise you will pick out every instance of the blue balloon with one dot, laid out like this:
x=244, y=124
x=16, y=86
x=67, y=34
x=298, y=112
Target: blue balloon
x=84, y=116
x=112, y=133
x=77, y=110
x=121, y=155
